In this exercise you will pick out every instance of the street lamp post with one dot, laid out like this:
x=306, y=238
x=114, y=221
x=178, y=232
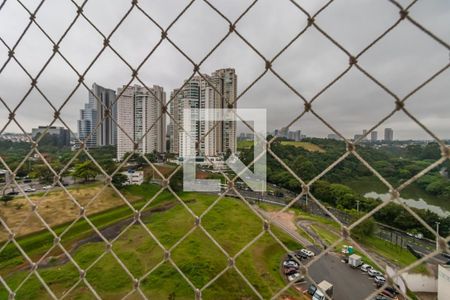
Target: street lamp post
x=437, y=235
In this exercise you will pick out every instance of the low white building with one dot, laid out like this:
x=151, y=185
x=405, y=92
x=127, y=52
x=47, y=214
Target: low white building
x=134, y=177
x=443, y=282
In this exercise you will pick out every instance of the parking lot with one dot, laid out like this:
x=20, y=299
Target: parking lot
x=348, y=283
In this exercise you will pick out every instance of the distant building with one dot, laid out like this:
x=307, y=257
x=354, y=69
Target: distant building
x=58, y=136
x=388, y=135
x=139, y=113
x=14, y=137
x=357, y=137
x=284, y=132
x=290, y=135
x=100, y=109
x=134, y=177
x=298, y=136
x=107, y=130
x=373, y=136
x=333, y=136
x=276, y=132
x=204, y=92
x=245, y=136
x=87, y=124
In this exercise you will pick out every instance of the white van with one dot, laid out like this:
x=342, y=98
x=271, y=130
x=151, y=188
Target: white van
x=326, y=287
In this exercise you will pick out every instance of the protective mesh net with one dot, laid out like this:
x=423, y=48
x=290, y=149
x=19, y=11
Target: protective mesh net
x=79, y=207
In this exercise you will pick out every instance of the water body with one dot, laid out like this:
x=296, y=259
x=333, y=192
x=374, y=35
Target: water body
x=416, y=203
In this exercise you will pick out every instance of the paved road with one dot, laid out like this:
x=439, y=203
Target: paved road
x=422, y=246
x=285, y=227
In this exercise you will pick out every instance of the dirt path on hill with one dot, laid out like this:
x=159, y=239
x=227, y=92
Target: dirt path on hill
x=285, y=221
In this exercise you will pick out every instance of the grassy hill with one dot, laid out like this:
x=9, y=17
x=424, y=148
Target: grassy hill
x=230, y=222
x=308, y=146
x=305, y=145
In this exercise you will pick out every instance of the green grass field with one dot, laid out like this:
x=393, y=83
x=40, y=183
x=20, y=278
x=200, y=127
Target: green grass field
x=230, y=222
x=244, y=144
x=305, y=145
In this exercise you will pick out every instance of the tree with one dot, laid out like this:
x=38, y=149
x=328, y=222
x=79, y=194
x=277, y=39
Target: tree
x=6, y=199
x=119, y=180
x=42, y=172
x=304, y=168
x=365, y=229
x=85, y=170
x=176, y=181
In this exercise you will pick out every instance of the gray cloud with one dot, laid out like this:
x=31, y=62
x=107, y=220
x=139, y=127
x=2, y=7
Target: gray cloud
x=402, y=60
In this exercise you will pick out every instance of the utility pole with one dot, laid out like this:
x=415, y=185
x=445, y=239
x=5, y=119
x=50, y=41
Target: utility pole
x=306, y=202
x=437, y=235
x=357, y=205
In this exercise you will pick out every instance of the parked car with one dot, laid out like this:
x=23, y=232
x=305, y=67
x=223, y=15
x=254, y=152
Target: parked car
x=29, y=190
x=290, y=271
x=373, y=273
x=290, y=263
x=296, y=277
x=381, y=297
x=47, y=187
x=379, y=280
x=12, y=193
x=366, y=267
x=301, y=255
x=27, y=180
x=307, y=252
x=312, y=289
x=390, y=292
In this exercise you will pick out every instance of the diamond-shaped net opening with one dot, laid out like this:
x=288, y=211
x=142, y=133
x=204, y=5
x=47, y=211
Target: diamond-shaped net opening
x=113, y=222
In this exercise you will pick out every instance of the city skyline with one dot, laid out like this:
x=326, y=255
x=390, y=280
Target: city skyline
x=354, y=103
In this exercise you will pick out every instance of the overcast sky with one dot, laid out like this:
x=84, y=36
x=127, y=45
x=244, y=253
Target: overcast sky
x=402, y=60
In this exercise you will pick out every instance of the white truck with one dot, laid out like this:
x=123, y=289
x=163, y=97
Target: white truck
x=354, y=261
x=323, y=287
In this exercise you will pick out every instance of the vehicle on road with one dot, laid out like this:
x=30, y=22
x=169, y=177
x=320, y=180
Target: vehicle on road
x=29, y=190
x=373, y=273
x=381, y=297
x=445, y=254
x=296, y=277
x=354, y=261
x=12, y=193
x=366, y=267
x=307, y=252
x=47, y=187
x=417, y=235
x=379, y=280
x=322, y=288
x=27, y=180
x=290, y=263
